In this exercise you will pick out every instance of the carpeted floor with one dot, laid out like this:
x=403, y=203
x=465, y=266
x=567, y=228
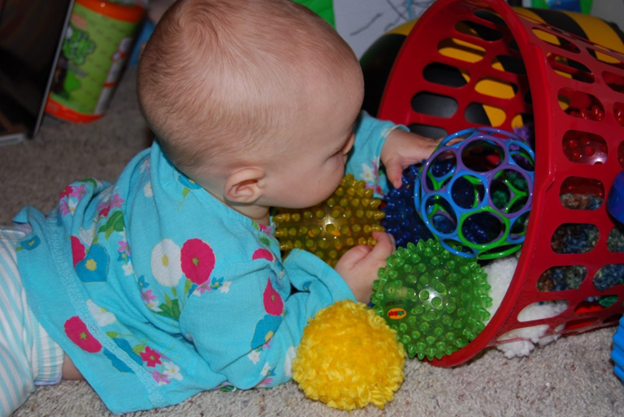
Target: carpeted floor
x=572, y=377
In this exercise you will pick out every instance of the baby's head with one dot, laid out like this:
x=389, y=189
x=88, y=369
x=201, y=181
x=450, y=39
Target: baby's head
x=227, y=84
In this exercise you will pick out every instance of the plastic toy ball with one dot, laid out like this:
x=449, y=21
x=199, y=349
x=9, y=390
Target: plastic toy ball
x=436, y=301
x=346, y=219
x=475, y=195
x=401, y=220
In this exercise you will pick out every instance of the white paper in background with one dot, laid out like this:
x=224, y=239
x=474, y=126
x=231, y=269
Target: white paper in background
x=362, y=22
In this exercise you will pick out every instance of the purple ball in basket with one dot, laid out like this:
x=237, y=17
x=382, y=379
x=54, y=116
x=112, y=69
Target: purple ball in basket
x=474, y=193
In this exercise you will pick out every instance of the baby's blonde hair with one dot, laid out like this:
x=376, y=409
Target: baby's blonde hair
x=220, y=78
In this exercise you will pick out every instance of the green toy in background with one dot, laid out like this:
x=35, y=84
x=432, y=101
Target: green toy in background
x=97, y=42
x=583, y=6
x=324, y=8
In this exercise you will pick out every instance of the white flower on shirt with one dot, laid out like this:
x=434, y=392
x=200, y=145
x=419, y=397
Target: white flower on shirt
x=225, y=288
x=127, y=268
x=172, y=371
x=254, y=356
x=166, y=265
x=265, y=369
x=368, y=173
x=147, y=190
x=290, y=356
x=101, y=315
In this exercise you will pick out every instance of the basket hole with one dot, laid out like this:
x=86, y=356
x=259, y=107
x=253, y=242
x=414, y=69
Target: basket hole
x=609, y=276
x=569, y=68
x=579, y=324
x=433, y=104
x=428, y=131
x=467, y=191
x=482, y=156
x=490, y=17
x=561, y=278
x=621, y=154
x=461, y=50
x=585, y=148
x=478, y=31
x=482, y=228
x=615, y=241
x=618, y=112
x=514, y=45
x=607, y=59
x=542, y=310
x=447, y=75
x=614, y=81
x=612, y=319
x=577, y=193
x=579, y=104
x=495, y=115
x=556, y=40
x=571, y=238
x=495, y=87
x=510, y=64
x=595, y=304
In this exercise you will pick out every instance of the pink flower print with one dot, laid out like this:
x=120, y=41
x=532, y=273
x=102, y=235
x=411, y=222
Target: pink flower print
x=66, y=192
x=117, y=201
x=78, y=250
x=123, y=247
x=202, y=289
x=160, y=378
x=79, y=191
x=148, y=297
x=266, y=229
x=150, y=356
x=197, y=260
x=273, y=303
x=262, y=254
x=78, y=333
x=64, y=207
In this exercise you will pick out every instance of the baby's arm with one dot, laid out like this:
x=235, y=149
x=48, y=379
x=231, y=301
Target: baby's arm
x=249, y=329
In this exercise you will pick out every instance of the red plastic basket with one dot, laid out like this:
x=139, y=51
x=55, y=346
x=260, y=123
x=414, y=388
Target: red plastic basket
x=561, y=72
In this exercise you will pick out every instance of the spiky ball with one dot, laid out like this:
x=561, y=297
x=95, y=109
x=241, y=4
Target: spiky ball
x=346, y=219
x=349, y=358
x=435, y=300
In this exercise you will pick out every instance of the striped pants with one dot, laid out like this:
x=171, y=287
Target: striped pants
x=28, y=356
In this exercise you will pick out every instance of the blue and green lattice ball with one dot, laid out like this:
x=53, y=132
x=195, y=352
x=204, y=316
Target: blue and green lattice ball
x=435, y=300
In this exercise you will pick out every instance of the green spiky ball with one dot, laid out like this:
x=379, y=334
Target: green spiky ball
x=346, y=219
x=435, y=300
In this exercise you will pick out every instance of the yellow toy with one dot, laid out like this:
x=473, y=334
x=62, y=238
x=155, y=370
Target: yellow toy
x=349, y=358
x=346, y=219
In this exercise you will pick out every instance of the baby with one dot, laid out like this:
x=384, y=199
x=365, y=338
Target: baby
x=169, y=281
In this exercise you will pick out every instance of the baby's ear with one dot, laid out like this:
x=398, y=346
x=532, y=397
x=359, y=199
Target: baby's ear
x=243, y=186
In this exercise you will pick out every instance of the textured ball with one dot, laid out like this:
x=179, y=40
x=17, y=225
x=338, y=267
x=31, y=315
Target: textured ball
x=401, y=220
x=346, y=219
x=475, y=195
x=349, y=358
x=436, y=301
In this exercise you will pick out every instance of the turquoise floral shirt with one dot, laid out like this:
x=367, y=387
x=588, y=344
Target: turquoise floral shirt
x=158, y=291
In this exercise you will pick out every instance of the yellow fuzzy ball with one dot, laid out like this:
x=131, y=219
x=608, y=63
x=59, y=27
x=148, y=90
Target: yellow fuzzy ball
x=349, y=358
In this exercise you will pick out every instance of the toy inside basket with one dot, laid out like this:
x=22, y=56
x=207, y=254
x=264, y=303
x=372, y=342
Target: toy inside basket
x=508, y=69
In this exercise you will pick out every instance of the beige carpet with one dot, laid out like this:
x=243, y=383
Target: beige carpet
x=572, y=377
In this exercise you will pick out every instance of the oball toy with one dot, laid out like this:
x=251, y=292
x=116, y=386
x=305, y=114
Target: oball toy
x=349, y=358
x=436, y=301
x=401, y=220
x=475, y=195
x=346, y=219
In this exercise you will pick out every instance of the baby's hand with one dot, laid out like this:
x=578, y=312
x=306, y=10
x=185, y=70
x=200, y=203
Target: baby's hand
x=403, y=149
x=359, y=265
